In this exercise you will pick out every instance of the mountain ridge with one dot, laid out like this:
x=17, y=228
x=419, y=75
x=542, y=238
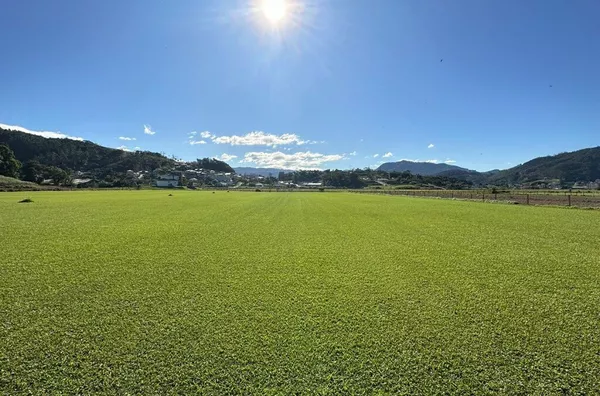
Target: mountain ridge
x=417, y=167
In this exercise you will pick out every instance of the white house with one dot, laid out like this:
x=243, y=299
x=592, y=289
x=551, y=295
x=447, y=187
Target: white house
x=313, y=185
x=168, y=180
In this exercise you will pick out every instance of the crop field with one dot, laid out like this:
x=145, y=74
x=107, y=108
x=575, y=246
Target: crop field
x=295, y=293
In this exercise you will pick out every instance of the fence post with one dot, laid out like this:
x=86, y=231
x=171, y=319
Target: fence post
x=483, y=197
x=569, y=199
x=527, y=199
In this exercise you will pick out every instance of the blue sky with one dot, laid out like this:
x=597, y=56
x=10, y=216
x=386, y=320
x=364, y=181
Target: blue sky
x=331, y=85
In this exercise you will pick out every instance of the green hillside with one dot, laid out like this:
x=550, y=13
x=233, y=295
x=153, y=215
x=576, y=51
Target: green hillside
x=79, y=155
x=581, y=165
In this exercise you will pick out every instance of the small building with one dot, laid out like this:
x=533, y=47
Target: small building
x=169, y=180
x=313, y=185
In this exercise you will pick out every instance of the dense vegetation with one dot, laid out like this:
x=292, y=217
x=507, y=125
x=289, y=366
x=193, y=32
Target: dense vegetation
x=83, y=156
x=211, y=164
x=581, y=165
x=409, y=179
x=9, y=165
x=138, y=292
x=57, y=159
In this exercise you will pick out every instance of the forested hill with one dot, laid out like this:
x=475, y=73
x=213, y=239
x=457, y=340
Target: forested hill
x=577, y=166
x=79, y=155
x=581, y=165
x=421, y=168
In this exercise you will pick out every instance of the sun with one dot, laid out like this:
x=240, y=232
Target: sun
x=274, y=10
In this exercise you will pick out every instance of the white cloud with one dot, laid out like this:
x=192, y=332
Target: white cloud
x=195, y=142
x=192, y=134
x=431, y=146
x=148, y=130
x=352, y=153
x=137, y=148
x=123, y=148
x=388, y=155
x=301, y=160
x=259, y=138
x=46, y=134
x=376, y=155
x=126, y=138
x=226, y=157
x=449, y=161
x=206, y=135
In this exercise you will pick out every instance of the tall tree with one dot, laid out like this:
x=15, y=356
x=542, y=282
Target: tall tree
x=9, y=165
x=32, y=171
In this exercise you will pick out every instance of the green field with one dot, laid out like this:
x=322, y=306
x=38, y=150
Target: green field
x=278, y=293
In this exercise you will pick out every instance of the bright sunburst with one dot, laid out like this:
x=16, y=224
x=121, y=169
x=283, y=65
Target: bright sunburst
x=274, y=10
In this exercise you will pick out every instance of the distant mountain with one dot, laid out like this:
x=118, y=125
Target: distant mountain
x=581, y=165
x=261, y=171
x=419, y=168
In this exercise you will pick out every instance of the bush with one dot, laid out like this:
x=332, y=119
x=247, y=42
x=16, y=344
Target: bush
x=321, y=189
x=257, y=190
x=26, y=200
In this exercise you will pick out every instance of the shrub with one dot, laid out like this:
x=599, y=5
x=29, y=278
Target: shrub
x=26, y=200
x=257, y=190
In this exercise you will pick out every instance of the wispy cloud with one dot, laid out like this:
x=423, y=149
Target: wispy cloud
x=123, y=148
x=259, y=138
x=353, y=153
x=206, y=135
x=148, y=130
x=388, y=155
x=301, y=160
x=46, y=134
x=126, y=138
x=431, y=146
x=137, y=148
x=376, y=155
x=192, y=134
x=226, y=157
x=195, y=142
x=449, y=162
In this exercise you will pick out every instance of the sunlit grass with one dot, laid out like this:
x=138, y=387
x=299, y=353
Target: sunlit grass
x=139, y=292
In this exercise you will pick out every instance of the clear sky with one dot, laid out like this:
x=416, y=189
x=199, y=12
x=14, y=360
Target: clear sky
x=321, y=83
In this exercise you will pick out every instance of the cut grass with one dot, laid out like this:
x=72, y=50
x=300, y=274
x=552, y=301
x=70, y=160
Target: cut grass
x=134, y=292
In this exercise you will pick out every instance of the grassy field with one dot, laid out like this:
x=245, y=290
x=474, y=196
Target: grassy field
x=278, y=293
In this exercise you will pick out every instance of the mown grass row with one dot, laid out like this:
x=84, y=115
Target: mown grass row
x=139, y=292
